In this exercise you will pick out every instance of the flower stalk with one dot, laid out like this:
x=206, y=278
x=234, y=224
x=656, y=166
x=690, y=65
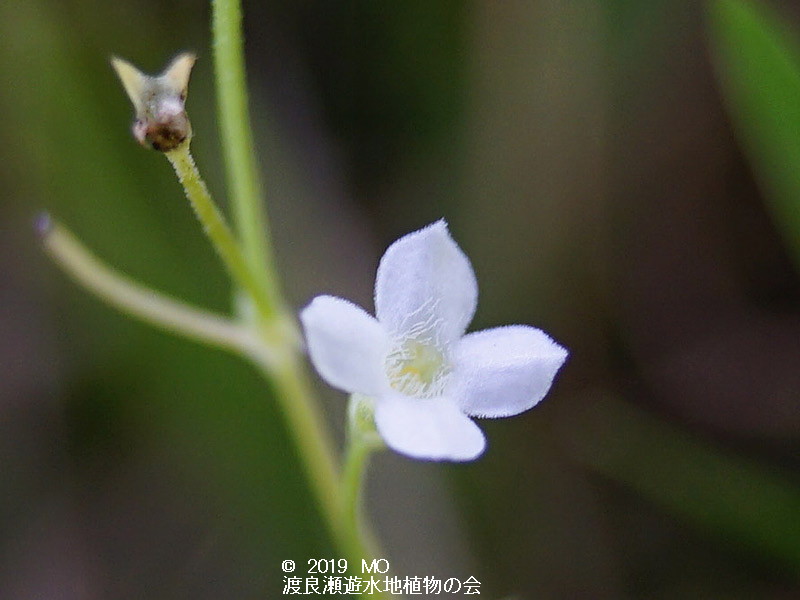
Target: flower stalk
x=218, y=231
x=362, y=441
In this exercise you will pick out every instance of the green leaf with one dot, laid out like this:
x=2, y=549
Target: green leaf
x=758, y=63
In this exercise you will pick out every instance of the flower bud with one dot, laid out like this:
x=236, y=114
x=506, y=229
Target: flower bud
x=161, y=120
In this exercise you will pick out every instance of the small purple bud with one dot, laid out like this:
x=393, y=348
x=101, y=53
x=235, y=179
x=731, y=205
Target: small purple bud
x=42, y=224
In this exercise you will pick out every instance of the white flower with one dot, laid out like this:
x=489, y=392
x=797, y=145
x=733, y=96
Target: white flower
x=425, y=375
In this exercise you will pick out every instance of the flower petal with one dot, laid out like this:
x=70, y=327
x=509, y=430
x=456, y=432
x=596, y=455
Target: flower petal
x=429, y=429
x=426, y=283
x=504, y=371
x=347, y=346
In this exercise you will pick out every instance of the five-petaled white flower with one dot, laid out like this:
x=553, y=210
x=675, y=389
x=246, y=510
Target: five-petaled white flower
x=426, y=377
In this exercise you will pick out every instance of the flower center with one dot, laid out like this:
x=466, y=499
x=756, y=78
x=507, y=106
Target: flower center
x=417, y=368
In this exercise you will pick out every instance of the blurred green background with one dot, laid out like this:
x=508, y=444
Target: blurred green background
x=625, y=175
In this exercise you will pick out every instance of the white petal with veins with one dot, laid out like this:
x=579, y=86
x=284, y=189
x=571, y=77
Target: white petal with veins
x=425, y=282
x=504, y=371
x=346, y=345
x=433, y=429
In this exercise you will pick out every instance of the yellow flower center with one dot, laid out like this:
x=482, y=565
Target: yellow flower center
x=417, y=368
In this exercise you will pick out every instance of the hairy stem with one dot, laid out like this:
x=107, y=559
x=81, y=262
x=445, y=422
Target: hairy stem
x=217, y=230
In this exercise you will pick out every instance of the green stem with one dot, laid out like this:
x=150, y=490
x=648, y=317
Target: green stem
x=243, y=182
x=279, y=364
x=139, y=301
x=355, y=466
x=362, y=440
x=217, y=230
x=278, y=358
x=314, y=446
x=315, y=449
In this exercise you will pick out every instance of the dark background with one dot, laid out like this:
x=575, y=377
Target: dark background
x=583, y=157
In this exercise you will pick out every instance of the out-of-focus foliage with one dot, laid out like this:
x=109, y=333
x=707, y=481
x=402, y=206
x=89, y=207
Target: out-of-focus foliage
x=734, y=499
x=582, y=156
x=759, y=65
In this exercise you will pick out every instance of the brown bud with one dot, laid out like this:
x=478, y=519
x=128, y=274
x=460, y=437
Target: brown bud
x=161, y=120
